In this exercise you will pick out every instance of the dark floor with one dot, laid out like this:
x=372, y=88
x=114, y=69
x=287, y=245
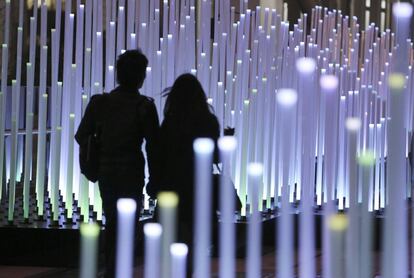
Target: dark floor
x=268, y=268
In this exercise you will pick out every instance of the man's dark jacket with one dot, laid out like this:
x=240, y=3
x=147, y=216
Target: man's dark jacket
x=123, y=120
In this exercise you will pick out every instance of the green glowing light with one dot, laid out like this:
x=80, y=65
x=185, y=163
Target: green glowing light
x=89, y=230
x=167, y=199
x=366, y=159
x=396, y=81
x=338, y=222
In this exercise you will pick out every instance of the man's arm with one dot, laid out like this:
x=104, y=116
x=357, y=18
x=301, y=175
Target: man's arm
x=151, y=136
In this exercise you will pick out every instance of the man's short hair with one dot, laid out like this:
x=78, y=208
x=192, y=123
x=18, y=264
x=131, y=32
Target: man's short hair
x=131, y=68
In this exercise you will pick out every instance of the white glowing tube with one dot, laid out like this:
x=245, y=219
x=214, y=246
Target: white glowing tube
x=329, y=85
x=41, y=153
x=125, y=237
x=254, y=235
x=14, y=127
x=89, y=250
x=27, y=162
x=203, y=149
x=353, y=237
x=286, y=100
x=306, y=68
x=130, y=24
x=152, y=232
x=227, y=146
x=84, y=183
x=241, y=172
x=55, y=184
x=3, y=90
x=121, y=30
x=179, y=253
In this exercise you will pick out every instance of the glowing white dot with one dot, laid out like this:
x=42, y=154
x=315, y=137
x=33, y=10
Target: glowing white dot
x=402, y=9
x=203, y=145
x=227, y=143
x=152, y=230
x=287, y=97
x=353, y=124
x=126, y=205
x=306, y=65
x=255, y=169
x=179, y=249
x=111, y=68
x=329, y=82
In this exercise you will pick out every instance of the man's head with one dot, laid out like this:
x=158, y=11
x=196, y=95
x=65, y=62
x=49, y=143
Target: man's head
x=131, y=68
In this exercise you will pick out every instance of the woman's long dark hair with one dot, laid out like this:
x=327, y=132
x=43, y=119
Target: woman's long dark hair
x=186, y=101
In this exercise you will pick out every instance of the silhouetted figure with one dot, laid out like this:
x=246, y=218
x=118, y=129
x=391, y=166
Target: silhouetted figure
x=187, y=116
x=123, y=119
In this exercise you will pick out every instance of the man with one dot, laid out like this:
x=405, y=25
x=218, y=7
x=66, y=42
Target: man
x=122, y=119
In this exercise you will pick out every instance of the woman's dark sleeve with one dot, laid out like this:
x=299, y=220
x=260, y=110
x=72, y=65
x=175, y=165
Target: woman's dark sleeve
x=152, y=147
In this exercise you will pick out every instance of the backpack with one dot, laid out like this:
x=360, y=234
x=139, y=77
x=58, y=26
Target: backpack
x=89, y=152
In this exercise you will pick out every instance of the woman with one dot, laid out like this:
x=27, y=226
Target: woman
x=187, y=116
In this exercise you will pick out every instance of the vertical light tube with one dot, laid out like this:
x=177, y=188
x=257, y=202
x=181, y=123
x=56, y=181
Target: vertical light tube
x=337, y=225
x=3, y=90
x=366, y=160
x=242, y=163
x=27, y=164
x=125, y=237
x=306, y=68
x=203, y=149
x=56, y=171
x=152, y=232
x=254, y=235
x=353, y=126
x=395, y=252
x=84, y=183
x=41, y=153
x=89, y=250
x=168, y=202
x=329, y=85
x=121, y=30
x=13, y=162
x=227, y=146
x=286, y=100
x=179, y=253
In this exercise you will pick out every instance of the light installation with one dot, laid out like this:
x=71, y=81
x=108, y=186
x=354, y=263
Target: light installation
x=242, y=63
x=306, y=100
